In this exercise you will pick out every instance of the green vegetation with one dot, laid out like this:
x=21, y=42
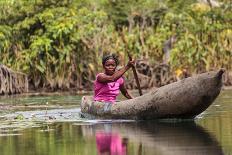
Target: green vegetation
x=59, y=44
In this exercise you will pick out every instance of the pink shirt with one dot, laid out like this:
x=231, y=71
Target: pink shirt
x=107, y=91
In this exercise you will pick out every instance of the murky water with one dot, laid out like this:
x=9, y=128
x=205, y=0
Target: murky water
x=42, y=125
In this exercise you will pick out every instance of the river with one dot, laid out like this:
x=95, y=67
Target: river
x=42, y=125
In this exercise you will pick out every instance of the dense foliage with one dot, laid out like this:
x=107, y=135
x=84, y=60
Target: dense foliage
x=59, y=44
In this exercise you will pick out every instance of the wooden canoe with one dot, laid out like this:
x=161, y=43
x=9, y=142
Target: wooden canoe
x=184, y=99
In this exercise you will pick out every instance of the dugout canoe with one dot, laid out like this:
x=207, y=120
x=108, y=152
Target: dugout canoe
x=184, y=99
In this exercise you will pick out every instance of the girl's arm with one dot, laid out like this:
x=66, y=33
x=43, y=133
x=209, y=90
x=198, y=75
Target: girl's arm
x=125, y=92
x=103, y=78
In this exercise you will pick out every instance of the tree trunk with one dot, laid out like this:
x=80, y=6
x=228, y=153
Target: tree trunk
x=12, y=82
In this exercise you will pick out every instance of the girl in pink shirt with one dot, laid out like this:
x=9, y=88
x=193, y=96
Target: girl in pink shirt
x=108, y=84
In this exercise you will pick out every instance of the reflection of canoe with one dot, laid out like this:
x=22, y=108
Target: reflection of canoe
x=185, y=138
x=183, y=99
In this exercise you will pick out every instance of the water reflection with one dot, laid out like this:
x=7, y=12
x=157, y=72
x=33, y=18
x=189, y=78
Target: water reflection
x=111, y=143
x=153, y=138
x=83, y=138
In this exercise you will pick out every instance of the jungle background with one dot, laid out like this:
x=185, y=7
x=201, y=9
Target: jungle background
x=59, y=44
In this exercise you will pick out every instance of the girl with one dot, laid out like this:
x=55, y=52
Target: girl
x=108, y=84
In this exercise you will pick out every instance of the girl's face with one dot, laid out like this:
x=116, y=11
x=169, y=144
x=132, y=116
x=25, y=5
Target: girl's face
x=110, y=66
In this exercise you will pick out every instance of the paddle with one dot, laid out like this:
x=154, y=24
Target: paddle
x=133, y=68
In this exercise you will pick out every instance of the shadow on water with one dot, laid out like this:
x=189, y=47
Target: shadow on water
x=153, y=138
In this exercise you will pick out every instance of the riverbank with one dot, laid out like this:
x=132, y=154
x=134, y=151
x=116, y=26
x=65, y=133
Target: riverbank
x=81, y=92
x=227, y=88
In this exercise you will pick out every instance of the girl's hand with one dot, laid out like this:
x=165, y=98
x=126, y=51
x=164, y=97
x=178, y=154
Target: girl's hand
x=131, y=63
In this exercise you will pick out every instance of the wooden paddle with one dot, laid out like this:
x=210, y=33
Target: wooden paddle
x=133, y=68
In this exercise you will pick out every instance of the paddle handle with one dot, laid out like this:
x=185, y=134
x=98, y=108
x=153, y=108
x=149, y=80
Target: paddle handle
x=133, y=67
x=135, y=75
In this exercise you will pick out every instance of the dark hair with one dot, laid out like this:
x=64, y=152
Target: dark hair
x=110, y=56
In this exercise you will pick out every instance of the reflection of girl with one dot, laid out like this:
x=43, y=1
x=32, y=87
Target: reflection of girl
x=110, y=143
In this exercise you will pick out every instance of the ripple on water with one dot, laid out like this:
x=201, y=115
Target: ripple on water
x=28, y=119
